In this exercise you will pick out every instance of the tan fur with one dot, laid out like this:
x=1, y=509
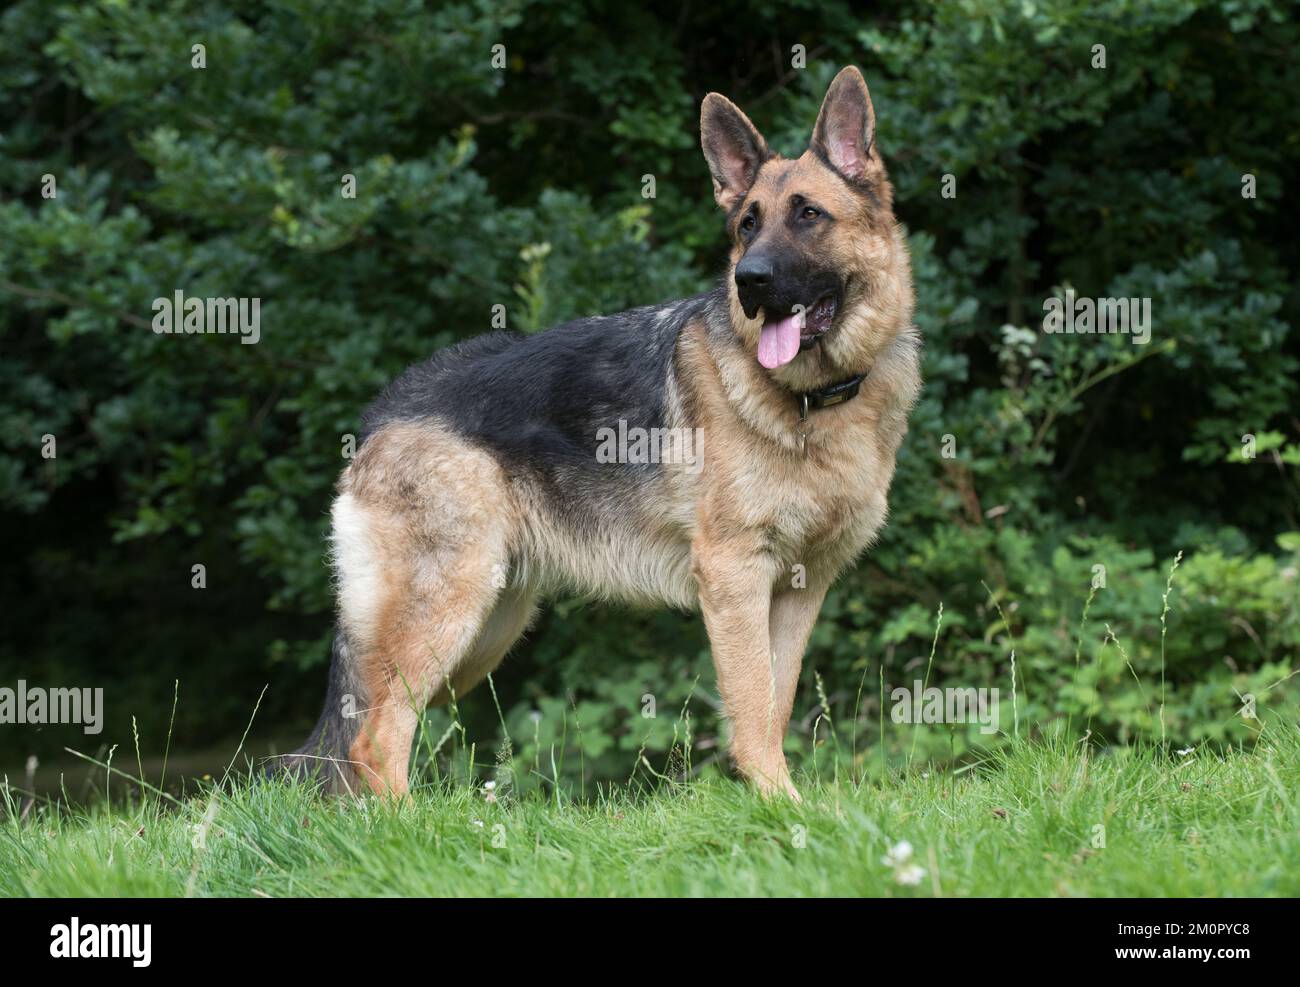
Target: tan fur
x=441, y=556
x=763, y=508
x=438, y=512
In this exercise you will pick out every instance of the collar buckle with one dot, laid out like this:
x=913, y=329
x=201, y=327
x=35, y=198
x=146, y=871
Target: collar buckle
x=823, y=398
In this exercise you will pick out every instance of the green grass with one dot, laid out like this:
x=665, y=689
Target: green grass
x=1021, y=823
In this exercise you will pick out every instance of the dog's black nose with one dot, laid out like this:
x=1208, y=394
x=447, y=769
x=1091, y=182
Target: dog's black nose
x=754, y=273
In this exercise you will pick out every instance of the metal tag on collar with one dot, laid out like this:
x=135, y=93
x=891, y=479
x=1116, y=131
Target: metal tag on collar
x=805, y=426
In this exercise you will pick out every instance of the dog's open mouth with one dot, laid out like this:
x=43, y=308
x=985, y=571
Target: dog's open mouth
x=784, y=336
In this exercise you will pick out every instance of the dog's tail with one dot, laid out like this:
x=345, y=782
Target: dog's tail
x=324, y=758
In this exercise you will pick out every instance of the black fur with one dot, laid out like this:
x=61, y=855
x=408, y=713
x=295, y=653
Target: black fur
x=335, y=731
x=538, y=401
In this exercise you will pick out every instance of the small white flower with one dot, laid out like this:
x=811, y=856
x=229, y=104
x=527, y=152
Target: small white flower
x=1185, y=751
x=898, y=855
x=477, y=822
x=911, y=874
x=899, y=860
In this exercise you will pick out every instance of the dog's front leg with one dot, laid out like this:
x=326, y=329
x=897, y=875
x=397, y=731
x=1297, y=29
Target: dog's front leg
x=735, y=585
x=794, y=612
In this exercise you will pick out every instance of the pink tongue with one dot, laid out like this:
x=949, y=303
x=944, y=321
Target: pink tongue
x=779, y=342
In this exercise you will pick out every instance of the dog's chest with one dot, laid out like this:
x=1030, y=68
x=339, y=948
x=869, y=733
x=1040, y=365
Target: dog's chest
x=826, y=504
x=817, y=510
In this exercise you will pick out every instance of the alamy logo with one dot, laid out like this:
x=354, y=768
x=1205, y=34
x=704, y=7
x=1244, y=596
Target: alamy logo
x=935, y=705
x=197, y=316
x=41, y=706
x=75, y=941
x=632, y=444
x=1089, y=316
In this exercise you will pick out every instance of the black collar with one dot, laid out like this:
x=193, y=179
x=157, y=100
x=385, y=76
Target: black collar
x=826, y=396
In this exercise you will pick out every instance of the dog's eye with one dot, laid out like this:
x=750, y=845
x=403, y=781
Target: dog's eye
x=748, y=223
x=810, y=213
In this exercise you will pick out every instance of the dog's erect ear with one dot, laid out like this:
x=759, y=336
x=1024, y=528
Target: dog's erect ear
x=734, y=149
x=846, y=127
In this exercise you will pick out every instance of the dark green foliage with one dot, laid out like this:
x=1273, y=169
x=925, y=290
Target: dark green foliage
x=523, y=187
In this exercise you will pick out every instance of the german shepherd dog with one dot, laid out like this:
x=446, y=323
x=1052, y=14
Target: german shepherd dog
x=479, y=485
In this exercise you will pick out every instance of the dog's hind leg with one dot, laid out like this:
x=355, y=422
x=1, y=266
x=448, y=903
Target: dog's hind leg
x=422, y=537
x=513, y=612
x=429, y=632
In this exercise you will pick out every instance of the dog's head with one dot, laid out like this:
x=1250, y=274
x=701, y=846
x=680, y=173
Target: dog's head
x=819, y=277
